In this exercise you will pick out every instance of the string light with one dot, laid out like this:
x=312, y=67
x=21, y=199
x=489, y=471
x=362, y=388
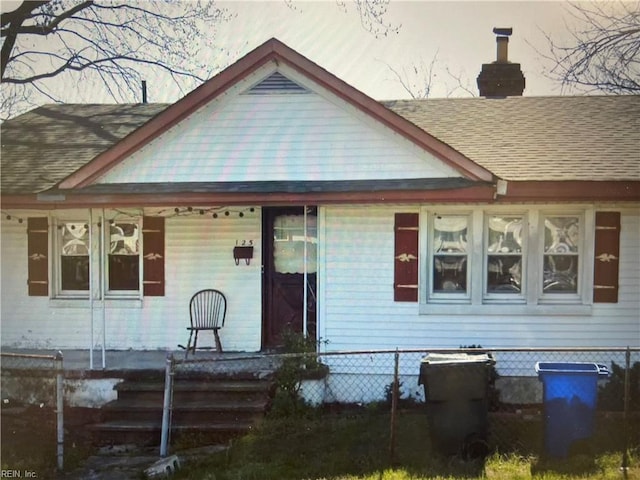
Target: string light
x=215, y=212
x=10, y=217
x=177, y=211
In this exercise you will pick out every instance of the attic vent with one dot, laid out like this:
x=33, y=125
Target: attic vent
x=276, y=83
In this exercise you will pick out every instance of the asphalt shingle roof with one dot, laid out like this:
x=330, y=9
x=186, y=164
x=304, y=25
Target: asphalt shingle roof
x=537, y=138
x=45, y=145
x=516, y=138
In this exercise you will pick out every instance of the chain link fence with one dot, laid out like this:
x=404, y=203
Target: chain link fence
x=32, y=388
x=493, y=400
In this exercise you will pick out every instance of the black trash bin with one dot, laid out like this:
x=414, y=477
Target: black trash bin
x=456, y=389
x=570, y=392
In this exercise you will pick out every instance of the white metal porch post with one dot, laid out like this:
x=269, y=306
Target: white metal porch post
x=304, y=275
x=91, y=284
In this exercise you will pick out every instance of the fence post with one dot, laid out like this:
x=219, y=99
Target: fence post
x=395, y=390
x=166, y=406
x=60, y=409
x=625, y=415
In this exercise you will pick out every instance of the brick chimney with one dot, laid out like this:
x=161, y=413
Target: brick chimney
x=501, y=78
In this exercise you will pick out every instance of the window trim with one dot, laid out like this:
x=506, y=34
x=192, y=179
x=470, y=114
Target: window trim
x=104, y=258
x=505, y=298
x=583, y=274
x=448, y=298
x=56, y=260
x=531, y=302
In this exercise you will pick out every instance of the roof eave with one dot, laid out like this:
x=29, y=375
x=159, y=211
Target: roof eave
x=478, y=193
x=572, y=190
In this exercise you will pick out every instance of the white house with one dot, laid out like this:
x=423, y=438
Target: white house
x=505, y=222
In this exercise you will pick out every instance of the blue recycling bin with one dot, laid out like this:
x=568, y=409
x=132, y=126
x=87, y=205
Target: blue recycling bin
x=570, y=392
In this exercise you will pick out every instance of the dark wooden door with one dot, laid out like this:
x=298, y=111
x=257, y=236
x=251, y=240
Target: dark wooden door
x=283, y=278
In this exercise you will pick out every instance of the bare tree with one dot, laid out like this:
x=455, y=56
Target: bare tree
x=419, y=81
x=372, y=15
x=106, y=42
x=604, y=51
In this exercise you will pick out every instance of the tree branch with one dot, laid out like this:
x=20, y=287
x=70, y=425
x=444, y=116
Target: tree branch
x=10, y=33
x=605, y=52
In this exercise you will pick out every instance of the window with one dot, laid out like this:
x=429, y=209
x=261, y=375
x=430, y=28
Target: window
x=74, y=256
x=450, y=256
x=561, y=254
x=505, y=247
x=289, y=243
x=123, y=264
x=67, y=252
x=530, y=259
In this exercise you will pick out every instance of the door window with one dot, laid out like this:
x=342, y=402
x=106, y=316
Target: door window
x=289, y=243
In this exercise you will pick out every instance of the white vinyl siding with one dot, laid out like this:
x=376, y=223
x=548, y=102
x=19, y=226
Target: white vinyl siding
x=199, y=254
x=359, y=311
x=355, y=303
x=276, y=137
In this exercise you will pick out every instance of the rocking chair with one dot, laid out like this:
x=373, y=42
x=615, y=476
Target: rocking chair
x=207, y=310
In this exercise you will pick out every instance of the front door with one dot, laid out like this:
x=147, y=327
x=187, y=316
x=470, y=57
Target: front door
x=284, y=270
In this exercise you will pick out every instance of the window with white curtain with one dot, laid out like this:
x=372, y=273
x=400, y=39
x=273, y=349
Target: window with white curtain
x=505, y=250
x=289, y=243
x=123, y=265
x=450, y=256
x=72, y=259
x=521, y=256
x=561, y=256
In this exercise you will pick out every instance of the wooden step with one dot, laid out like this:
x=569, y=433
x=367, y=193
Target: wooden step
x=156, y=426
x=211, y=409
x=186, y=411
x=191, y=390
x=149, y=433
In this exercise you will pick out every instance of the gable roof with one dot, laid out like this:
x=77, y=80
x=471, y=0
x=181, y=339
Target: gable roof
x=271, y=51
x=517, y=138
x=534, y=142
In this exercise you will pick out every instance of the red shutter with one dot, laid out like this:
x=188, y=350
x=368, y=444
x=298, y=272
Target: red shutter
x=607, y=257
x=38, y=256
x=405, y=282
x=153, y=256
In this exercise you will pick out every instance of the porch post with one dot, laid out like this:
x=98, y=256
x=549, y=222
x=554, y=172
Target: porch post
x=103, y=287
x=304, y=275
x=91, y=284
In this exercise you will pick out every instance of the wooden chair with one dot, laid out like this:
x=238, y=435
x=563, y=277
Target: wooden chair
x=207, y=310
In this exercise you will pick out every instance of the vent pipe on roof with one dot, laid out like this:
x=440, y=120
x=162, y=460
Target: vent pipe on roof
x=501, y=78
x=144, y=91
x=502, y=41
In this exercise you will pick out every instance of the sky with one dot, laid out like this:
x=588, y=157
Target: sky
x=455, y=35
x=459, y=35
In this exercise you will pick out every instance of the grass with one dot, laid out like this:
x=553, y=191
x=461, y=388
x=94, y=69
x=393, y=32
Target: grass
x=356, y=447
x=351, y=445
x=28, y=442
